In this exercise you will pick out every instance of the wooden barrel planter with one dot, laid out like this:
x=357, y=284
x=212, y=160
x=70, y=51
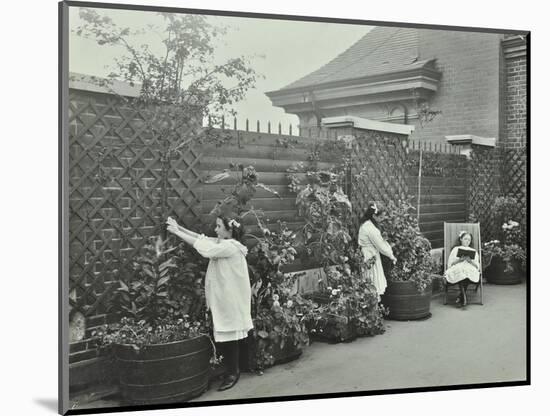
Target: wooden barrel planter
x=164, y=373
x=405, y=302
x=495, y=273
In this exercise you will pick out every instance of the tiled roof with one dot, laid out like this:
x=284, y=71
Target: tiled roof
x=382, y=50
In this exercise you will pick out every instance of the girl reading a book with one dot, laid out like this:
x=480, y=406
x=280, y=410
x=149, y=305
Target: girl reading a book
x=463, y=266
x=372, y=245
x=227, y=288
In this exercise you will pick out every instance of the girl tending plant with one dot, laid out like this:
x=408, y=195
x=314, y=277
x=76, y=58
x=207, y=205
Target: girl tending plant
x=227, y=287
x=372, y=244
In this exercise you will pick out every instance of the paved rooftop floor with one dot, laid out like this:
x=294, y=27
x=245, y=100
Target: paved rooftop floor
x=477, y=344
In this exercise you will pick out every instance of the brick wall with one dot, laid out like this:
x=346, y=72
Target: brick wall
x=469, y=89
x=514, y=49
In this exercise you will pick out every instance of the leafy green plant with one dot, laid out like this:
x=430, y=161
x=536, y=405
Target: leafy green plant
x=161, y=299
x=281, y=326
x=143, y=292
x=399, y=227
x=235, y=204
x=266, y=259
x=327, y=213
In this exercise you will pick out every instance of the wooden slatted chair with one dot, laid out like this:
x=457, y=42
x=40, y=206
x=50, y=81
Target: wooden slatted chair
x=450, y=238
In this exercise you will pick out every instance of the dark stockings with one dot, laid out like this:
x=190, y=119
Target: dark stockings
x=232, y=351
x=463, y=286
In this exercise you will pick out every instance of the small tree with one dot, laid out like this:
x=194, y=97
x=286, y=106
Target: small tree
x=178, y=88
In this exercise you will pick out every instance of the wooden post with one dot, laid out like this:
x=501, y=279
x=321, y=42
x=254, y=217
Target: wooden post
x=419, y=188
x=246, y=124
x=258, y=126
x=279, y=128
x=235, y=123
x=290, y=129
x=269, y=127
x=223, y=122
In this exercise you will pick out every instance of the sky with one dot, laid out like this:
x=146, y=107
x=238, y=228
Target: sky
x=285, y=50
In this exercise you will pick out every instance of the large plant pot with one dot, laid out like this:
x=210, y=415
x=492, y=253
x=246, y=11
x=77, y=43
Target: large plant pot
x=164, y=373
x=405, y=302
x=495, y=273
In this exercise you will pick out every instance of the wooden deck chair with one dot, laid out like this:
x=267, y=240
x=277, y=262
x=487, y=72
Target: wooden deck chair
x=450, y=239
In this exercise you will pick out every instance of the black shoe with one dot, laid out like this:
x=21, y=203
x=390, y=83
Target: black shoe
x=229, y=381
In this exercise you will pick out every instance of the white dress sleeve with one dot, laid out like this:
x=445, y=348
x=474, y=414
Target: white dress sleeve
x=209, y=248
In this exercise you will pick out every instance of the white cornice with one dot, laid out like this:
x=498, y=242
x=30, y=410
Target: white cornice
x=390, y=87
x=471, y=139
x=366, y=124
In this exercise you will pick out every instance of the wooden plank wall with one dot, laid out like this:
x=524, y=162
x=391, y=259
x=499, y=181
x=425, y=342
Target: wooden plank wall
x=441, y=200
x=444, y=187
x=271, y=155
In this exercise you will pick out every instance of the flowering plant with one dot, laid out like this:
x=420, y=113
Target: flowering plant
x=351, y=305
x=280, y=315
x=509, y=252
x=400, y=228
x=140, y=334
x=283, y=325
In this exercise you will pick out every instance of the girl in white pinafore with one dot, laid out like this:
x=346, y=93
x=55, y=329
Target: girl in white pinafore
x=462, y=270
x=227, y=288
x=372, y=245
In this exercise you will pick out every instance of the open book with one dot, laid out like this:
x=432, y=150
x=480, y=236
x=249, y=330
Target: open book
x=466, y=253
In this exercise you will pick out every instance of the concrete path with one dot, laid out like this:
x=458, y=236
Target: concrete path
x=478, y=344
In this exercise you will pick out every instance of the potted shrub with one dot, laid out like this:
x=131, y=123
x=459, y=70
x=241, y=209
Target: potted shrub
x=161, y=345
x=409, y=289
x=504, y=260
x=347, y=305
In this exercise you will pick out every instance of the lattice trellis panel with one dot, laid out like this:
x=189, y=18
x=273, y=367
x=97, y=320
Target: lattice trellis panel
x=484, y=186
x=377, y=171
x=115, y=180
x=515, y=171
